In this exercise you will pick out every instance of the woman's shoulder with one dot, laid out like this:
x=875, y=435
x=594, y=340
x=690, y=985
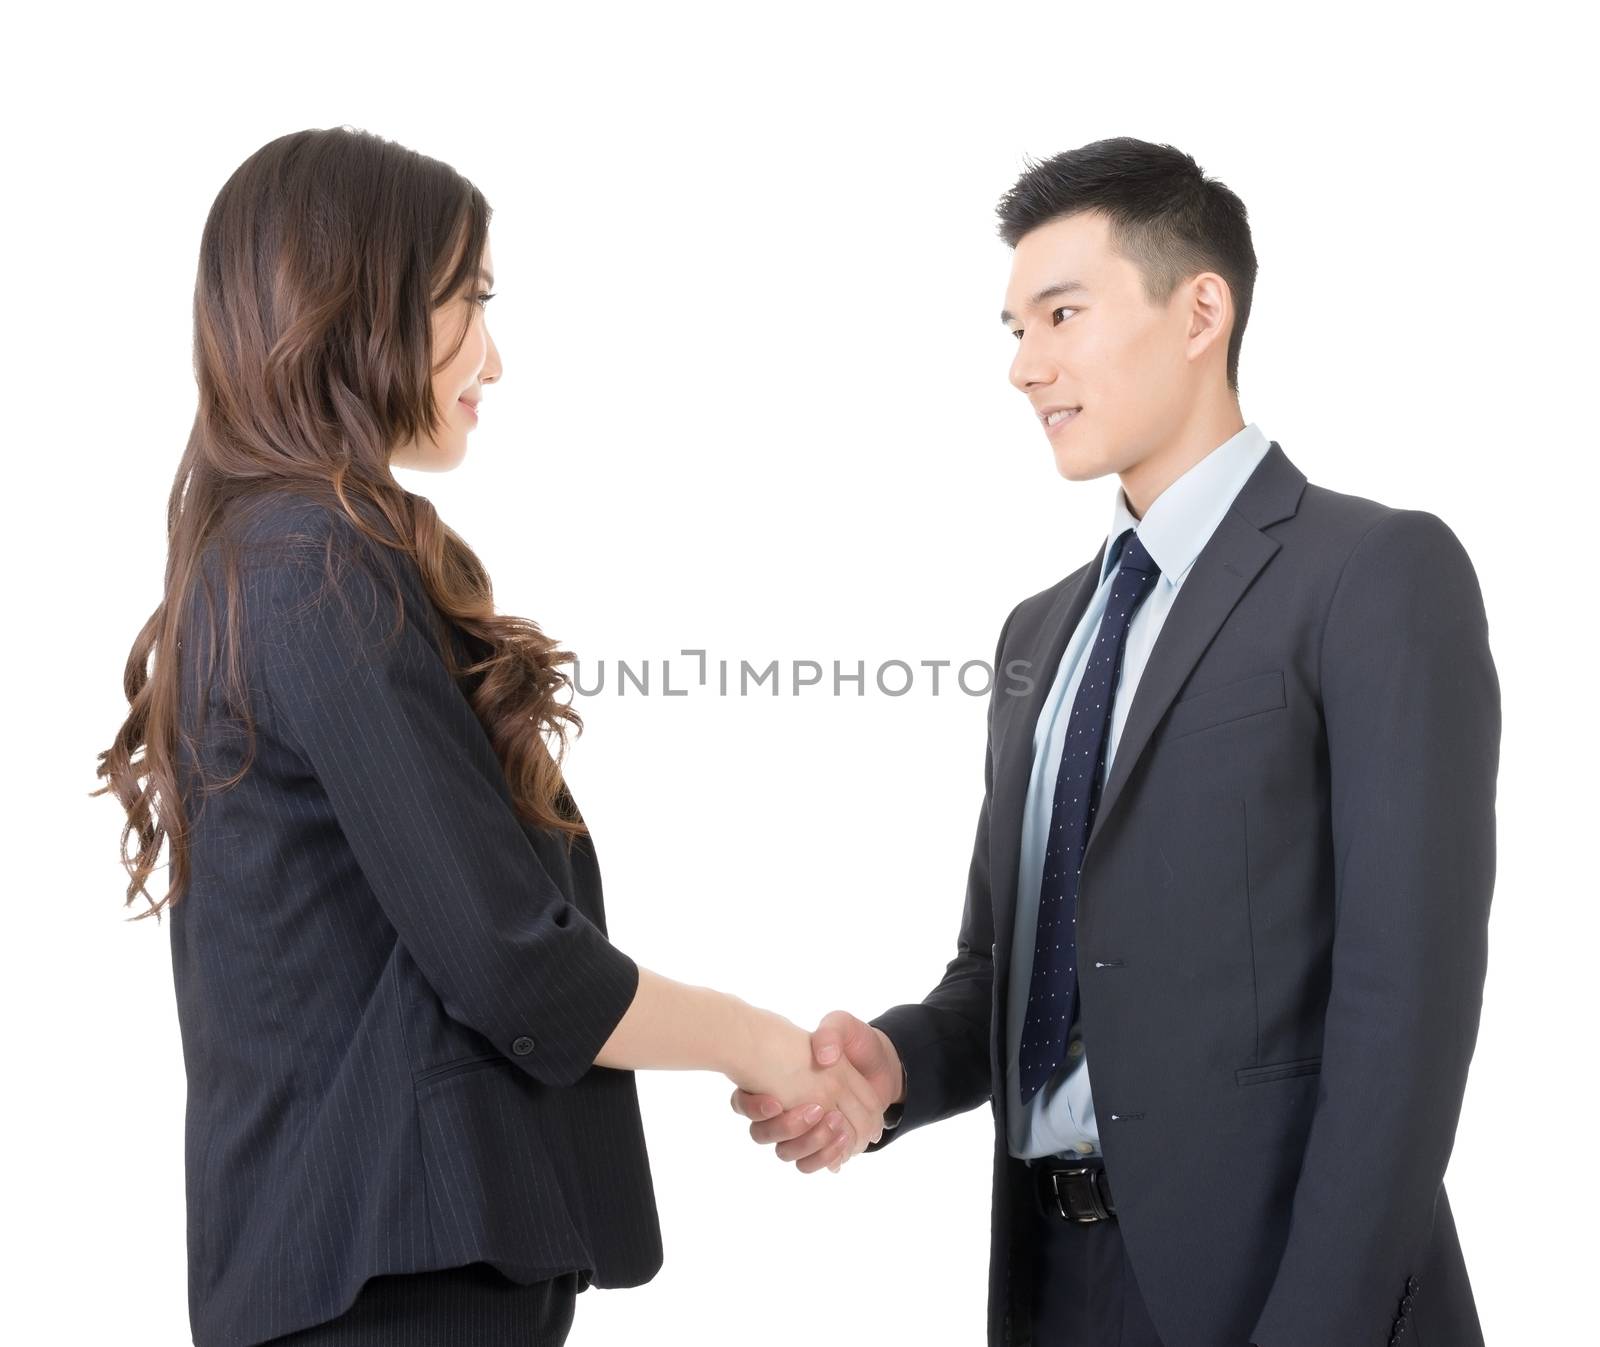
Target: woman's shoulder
x=307, y=572
x=285, y=537
x=280, y=523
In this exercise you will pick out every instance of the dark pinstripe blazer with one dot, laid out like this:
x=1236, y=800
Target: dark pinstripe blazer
x=1282, y=930
x=390, y=989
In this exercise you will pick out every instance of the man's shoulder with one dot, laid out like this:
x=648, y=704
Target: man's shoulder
x=1343, y=523
x=1339, y=515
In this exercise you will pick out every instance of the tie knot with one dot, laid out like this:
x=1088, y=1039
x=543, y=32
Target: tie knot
x=1134, y=557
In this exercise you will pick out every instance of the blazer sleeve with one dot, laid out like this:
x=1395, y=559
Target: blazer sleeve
x=943, y=1041
x=1411, y=708
x=420, y=795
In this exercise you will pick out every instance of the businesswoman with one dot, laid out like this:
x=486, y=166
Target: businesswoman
x=409, y=1042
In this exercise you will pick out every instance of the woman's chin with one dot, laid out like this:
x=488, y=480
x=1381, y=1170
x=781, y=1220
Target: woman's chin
x=432, y=458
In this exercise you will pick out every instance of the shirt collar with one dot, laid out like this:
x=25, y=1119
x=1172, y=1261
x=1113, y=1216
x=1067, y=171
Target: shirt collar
x=1182, y=518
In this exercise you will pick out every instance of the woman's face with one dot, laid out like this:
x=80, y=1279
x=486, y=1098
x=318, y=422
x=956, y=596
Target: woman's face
x=459, y=384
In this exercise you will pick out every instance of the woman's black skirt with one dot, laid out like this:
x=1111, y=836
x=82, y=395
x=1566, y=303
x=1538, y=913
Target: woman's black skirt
x=470, y=1306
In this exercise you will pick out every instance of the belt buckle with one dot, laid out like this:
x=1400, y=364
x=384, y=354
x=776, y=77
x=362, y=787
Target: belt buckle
x=1097, y=1207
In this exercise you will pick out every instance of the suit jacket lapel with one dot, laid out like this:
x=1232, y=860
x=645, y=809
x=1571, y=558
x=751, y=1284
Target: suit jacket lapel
x=1228, y=563
x=1013, y=766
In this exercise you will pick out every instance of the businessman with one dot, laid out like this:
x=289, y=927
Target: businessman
x=1237, y=843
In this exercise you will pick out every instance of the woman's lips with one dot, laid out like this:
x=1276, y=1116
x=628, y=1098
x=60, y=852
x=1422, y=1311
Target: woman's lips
x=469, y=407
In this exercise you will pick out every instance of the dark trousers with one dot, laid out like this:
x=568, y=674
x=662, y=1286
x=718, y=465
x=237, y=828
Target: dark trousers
x=471, y=1306
x=1085, y=1294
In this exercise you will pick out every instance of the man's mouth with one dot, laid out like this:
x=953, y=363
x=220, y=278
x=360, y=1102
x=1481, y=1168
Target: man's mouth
x=1057, y=415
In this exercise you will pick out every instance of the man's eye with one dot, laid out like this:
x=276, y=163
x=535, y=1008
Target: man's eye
x=1066, y=308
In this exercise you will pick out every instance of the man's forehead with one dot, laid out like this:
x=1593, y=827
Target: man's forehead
x=1071, y=256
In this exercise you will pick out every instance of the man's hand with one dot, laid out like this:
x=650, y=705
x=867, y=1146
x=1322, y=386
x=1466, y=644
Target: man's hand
x=818, y=1142
x=776, y=1060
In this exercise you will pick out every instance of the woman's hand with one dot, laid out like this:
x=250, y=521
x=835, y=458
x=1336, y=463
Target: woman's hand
x=775, y=1059
x=841, y=1034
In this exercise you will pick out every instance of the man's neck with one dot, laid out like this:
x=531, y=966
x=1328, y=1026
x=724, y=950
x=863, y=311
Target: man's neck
x=1205, y=430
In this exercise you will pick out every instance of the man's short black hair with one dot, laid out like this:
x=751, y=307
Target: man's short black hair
x=1165, y=216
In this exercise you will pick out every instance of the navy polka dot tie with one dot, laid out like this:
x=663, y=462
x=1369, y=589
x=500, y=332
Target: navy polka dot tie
x=1052, y=995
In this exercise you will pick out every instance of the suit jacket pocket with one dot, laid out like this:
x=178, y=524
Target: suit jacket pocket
x=459, y=1064
x=495, y=1187
x=1232, y=701
x=1254, y=1075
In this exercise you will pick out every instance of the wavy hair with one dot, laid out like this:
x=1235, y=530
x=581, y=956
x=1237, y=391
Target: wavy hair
x=322, y=260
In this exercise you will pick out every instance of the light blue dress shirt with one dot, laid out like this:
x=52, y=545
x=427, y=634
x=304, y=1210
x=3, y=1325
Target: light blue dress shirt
x=1059, y=1119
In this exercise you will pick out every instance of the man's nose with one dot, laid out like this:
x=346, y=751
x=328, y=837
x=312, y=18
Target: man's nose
x=1029, y=366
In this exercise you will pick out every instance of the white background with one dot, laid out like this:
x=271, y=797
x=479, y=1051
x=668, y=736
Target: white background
x=755, y=401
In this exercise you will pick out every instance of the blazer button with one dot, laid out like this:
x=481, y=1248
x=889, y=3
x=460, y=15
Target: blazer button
x=522, y=1046
x=1412, y=1284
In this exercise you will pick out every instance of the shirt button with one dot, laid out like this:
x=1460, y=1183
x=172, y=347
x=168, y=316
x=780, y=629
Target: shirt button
x=1083, y=1147
x=522, y=1046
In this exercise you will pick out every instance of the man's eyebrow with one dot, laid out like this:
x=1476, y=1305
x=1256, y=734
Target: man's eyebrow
x=1049, y=292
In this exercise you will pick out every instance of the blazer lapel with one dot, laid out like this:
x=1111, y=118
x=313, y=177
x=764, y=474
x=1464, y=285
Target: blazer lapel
x=1013, y=766
x=1228, y=563
x=1231, y=559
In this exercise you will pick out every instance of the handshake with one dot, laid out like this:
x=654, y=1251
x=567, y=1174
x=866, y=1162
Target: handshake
x=821, y=1097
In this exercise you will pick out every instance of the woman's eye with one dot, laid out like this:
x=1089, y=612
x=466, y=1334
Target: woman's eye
x=483, y=297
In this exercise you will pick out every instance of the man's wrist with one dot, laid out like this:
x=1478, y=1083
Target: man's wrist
x=896, y=1108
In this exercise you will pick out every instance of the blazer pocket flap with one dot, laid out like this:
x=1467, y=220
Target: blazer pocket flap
x=1232, y=701
x=1254, y=1075
x=495, y=1192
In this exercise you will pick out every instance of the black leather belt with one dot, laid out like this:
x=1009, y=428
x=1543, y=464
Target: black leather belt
x=1072, y=1192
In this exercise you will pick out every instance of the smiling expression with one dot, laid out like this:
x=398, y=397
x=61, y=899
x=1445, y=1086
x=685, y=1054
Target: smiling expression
x=458, y=384
x=1111, y=376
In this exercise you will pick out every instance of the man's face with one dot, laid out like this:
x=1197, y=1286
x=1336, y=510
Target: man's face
x=1088, y=338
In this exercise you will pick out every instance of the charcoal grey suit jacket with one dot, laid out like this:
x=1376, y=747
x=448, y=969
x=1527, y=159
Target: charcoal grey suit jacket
x=1282, y=930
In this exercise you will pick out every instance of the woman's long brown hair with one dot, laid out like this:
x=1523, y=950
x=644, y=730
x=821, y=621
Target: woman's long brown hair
x=322, y=259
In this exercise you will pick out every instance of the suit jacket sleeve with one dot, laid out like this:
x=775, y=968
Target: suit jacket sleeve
x=943, y=1041
x=1411, y=709
x=420, y=795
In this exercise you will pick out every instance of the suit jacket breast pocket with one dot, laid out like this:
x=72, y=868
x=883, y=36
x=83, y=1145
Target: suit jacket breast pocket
x=1233, y=701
